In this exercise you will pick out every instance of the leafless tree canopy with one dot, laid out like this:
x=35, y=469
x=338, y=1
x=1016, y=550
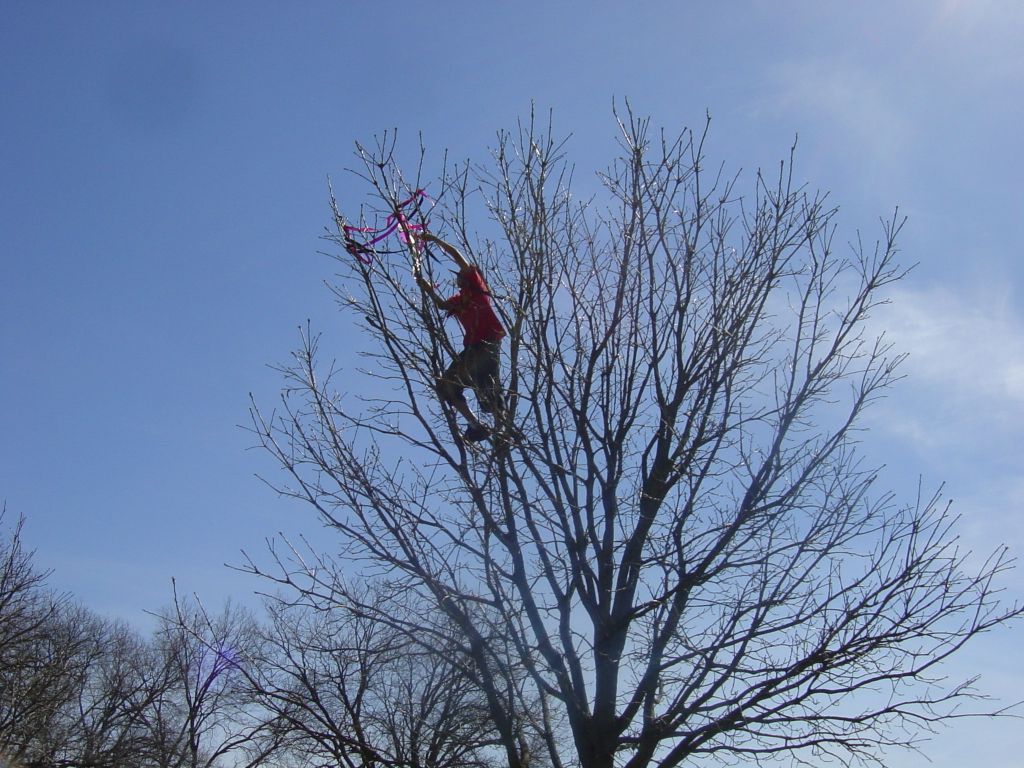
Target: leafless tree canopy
x=354, y=692
x=78, y=691
x=306, y=688
x=673, y=549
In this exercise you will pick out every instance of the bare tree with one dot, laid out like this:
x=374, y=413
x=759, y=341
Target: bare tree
x=73, y=687
x=110, y=682
x=40, y=653
x=117, y=685
x=205, y=715
x=672, y=549
x=356, y=692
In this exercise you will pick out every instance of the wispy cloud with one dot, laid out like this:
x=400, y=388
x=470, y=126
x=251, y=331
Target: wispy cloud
x=971, y=340
x=896, y=110
x=991, y=515
x=984, y=34
x=851, y=103
x=848, y=96
x=959, y=414
x=964, y=389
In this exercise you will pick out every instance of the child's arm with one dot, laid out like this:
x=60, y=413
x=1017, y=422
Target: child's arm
x=428, y=289
x=451, y=250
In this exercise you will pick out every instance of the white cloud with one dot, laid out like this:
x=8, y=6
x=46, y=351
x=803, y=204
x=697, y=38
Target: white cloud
x=959, y=413
x=851, y=102
x=990, y=517
x=965, y=347
x=887, y=106
x=982, y=35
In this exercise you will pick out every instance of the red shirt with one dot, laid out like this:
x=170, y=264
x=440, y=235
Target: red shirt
x=471, y=306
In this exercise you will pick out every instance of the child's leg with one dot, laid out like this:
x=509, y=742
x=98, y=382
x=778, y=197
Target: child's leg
x=485, y=371
x=450, y=389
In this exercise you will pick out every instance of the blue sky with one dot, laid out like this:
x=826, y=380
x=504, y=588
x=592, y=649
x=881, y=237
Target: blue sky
x=163, y=174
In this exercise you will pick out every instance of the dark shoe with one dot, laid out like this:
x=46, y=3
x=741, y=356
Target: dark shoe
x=476, y=433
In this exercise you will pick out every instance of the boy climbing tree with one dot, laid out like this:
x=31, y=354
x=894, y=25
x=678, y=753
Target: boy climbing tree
x=478, y=365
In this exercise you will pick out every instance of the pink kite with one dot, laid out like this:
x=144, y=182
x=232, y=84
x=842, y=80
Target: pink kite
x=397, y=221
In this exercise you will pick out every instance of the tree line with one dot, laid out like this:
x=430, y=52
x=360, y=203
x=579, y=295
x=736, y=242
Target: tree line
x=294, y=687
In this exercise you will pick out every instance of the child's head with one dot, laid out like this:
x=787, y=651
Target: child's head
x=470, y=280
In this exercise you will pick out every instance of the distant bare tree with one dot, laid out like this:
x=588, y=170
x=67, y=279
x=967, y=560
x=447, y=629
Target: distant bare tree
x=73, y=687
x=39, y=655
x=673, y=535
x=23, y=609
x=356, y=692
x=109, y=684
x=205, y=715
x=117, y=684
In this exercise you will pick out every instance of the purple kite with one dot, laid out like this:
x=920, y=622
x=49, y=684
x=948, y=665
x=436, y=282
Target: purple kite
x=364, y=251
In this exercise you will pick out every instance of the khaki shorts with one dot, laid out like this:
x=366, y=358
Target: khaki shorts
x=477, y=366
